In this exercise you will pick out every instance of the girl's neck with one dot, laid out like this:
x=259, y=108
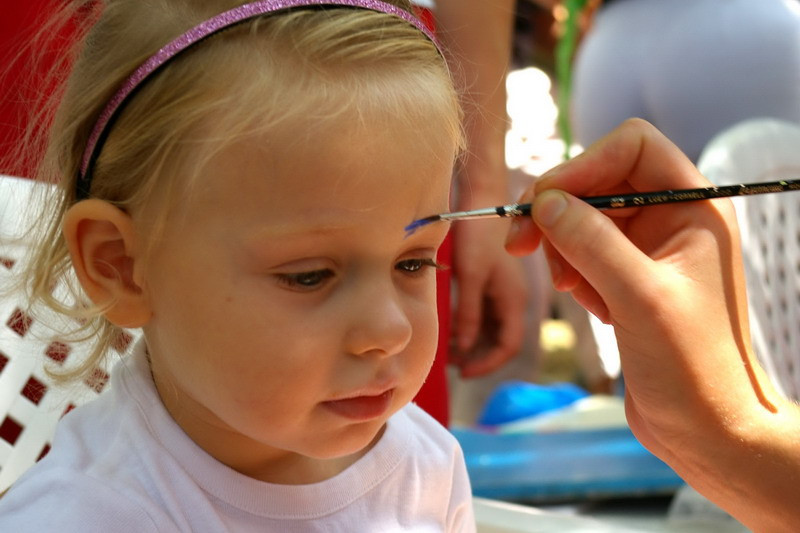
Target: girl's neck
x=296, y=469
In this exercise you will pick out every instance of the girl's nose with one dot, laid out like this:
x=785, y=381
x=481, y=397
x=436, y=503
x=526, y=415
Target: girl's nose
x=379, y=324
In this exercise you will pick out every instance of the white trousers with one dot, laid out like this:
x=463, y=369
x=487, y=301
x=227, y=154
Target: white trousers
x=691, y=67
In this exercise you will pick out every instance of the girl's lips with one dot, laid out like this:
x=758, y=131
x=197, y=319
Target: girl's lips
x=361, y=408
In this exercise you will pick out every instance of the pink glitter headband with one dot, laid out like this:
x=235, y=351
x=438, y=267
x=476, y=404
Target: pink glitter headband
x=198, y=33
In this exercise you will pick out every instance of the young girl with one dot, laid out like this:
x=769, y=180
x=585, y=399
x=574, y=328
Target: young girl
x=236, y=179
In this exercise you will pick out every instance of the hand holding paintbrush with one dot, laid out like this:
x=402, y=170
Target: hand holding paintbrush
x=671, y=282
x=620, y=201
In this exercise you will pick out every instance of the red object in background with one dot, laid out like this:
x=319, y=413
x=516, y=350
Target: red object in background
x=434, y=396
x=23, y=73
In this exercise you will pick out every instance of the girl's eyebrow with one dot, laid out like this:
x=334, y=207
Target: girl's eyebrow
x=303, y=222
x=317, y=228
x=292, y=231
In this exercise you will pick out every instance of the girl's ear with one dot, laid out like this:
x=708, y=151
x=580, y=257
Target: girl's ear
x=102, y=243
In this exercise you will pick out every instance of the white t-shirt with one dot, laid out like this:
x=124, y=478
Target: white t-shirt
x=121, y=463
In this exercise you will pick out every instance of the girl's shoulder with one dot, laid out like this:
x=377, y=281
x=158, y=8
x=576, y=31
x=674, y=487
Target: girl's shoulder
x=414, y=415
x=69, y=500
x=426, y=439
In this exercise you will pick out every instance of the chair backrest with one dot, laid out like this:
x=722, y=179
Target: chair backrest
x=31, y=404
x=766, y=149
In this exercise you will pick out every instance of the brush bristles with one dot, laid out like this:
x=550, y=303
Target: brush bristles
x=414, y=226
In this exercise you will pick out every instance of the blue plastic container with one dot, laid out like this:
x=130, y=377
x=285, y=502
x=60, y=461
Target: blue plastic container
x=514, y=400
x=570, y=465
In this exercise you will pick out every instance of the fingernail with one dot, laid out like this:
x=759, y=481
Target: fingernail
x=548, y=208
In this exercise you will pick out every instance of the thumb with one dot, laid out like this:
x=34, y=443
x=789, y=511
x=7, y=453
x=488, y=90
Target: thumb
x=591, y=244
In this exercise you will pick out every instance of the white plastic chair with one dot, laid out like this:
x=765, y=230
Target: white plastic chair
x=30, y=403
x=766, y=149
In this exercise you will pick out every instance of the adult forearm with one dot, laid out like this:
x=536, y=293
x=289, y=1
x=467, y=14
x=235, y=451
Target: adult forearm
x=753, y=470
x=477, y=35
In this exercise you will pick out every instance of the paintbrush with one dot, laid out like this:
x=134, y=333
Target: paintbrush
x=620, y=201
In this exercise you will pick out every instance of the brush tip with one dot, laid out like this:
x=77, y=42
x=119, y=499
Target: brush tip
x=414, y=226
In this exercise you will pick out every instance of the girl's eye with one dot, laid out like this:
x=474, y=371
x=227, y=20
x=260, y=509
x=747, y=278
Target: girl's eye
x=305, y=280
x=416, y=266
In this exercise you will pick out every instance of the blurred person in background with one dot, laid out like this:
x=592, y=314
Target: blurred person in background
x=691, y=67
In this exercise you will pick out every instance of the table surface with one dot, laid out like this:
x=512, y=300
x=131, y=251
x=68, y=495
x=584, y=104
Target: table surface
x=645, y=516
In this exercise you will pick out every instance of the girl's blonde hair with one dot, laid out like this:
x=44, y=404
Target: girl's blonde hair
x=314, y=64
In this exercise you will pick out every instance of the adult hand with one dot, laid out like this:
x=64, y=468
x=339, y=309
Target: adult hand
x=491, y=298
x=670, y=280
x=490, y=289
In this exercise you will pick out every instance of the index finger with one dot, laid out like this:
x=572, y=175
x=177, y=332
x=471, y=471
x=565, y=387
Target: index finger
x=635, y=157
